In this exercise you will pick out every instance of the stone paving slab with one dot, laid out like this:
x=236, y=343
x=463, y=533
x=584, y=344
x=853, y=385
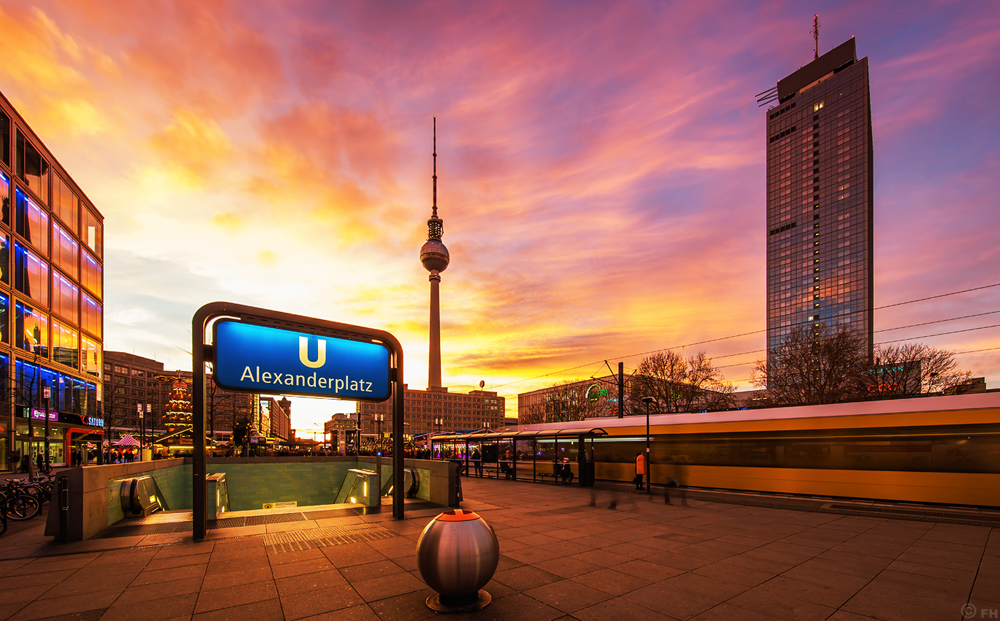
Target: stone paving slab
x=565, y=554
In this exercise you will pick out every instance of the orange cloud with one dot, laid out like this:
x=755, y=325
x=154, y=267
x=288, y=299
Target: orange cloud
x=193, y=146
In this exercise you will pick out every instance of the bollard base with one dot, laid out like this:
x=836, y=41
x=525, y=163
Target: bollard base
x=450, y=605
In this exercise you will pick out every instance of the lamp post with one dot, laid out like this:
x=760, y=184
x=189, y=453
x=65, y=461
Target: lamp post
x=439, y=422
x=142, y=426
x=379, y=418
x=138, y=413
x=29, y=410
x=46, y=395
x=620, y=382
x=649, y=471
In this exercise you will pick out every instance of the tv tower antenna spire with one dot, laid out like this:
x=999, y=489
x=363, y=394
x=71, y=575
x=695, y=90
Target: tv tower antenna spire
x=815, y=32
x=435, y=154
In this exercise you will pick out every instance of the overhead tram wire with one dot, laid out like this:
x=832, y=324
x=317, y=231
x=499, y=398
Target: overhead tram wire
x=934, y=297
x=758, y=351
x=927, y=323
x=925, y=336
x=735, y=336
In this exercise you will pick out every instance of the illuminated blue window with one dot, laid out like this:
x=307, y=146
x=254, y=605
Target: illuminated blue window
x=32, y=222
x=31, y=330
x=5, y=190
x=31, y=274
x=4, y=318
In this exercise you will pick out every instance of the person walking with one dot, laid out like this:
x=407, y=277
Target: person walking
x=640, y=470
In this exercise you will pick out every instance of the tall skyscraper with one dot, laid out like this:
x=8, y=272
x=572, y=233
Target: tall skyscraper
x=435, y=259
x=819, y=199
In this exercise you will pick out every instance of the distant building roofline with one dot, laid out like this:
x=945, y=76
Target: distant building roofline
x=844, y=54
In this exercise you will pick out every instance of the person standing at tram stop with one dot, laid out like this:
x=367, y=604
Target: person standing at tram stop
x=640, y=470
x=477, y=461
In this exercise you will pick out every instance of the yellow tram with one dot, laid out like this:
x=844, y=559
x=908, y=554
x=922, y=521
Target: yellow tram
x=942, y=449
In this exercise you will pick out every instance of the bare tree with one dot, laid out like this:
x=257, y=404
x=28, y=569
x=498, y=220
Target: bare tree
x=907, y=369
x=810, y=368
x=680, y=384
x=567, y=401
x=532, y=414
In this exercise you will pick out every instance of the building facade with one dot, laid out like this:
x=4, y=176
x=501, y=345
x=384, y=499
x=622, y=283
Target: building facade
x=423, y=408
x=51, y=300
x=278, y=416
x=819, y=199
x=130, y=383
x=568, y=401
x=133, y=382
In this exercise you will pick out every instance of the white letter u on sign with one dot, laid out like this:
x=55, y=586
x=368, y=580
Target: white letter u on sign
x=304, y=353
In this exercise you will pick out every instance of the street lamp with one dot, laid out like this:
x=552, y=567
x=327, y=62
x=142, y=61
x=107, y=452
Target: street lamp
x=649, y=472
x=142, y=426
x=46, y=395
x=379, y=418
x=439, y=422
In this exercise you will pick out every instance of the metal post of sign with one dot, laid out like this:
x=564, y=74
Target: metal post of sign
x=243, y=319
x=396, y=374
x=199, y=466
x=378, y=456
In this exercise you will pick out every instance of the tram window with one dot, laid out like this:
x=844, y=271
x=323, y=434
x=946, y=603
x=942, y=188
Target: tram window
x=905, y=449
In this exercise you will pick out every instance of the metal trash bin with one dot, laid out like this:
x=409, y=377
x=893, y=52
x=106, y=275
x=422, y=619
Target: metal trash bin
x=457, y=555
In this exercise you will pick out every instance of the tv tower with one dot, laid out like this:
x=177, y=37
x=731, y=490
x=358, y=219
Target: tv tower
x=435, y=259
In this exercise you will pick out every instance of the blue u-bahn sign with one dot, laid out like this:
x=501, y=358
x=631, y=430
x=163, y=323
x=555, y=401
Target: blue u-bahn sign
x=264, y=359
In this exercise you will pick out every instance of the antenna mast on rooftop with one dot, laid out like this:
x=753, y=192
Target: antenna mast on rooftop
x=815, y=32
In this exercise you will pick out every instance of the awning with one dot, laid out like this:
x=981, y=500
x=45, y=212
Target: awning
x=127, y=440
x=478, y=436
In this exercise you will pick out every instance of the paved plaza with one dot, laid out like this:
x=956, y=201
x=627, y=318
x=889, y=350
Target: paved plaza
x=561, y=558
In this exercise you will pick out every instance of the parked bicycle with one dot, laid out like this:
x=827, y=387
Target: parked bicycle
x=16, y=503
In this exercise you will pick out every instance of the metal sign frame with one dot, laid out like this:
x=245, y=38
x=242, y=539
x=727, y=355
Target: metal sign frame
x=203, y=352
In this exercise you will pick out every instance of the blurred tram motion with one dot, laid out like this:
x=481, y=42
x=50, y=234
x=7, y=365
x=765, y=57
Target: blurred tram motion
x=934, y=449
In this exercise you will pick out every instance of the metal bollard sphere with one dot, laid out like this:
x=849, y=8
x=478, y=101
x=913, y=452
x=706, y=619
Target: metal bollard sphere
x=457, y=554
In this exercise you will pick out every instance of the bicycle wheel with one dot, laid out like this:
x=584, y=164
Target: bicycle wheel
x=39, y=491
x=22, y=507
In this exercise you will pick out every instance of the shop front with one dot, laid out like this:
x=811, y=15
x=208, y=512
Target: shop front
x=67, y=433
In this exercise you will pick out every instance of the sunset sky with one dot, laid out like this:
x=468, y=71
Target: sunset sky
x=601, y=169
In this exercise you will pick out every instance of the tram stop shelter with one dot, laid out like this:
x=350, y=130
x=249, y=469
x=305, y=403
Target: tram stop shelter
x=536, y=456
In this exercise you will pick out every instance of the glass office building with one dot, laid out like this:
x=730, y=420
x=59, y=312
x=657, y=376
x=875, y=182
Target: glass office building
x=51, y=300
x=819, y=199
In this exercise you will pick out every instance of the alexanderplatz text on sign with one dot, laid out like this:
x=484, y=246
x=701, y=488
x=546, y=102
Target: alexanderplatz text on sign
x=263, y=351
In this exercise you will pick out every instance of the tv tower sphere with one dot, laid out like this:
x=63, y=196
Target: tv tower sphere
x=434, y=255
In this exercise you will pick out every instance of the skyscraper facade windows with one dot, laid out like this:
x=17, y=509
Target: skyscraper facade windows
x=819, y=199
x=50, y=330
